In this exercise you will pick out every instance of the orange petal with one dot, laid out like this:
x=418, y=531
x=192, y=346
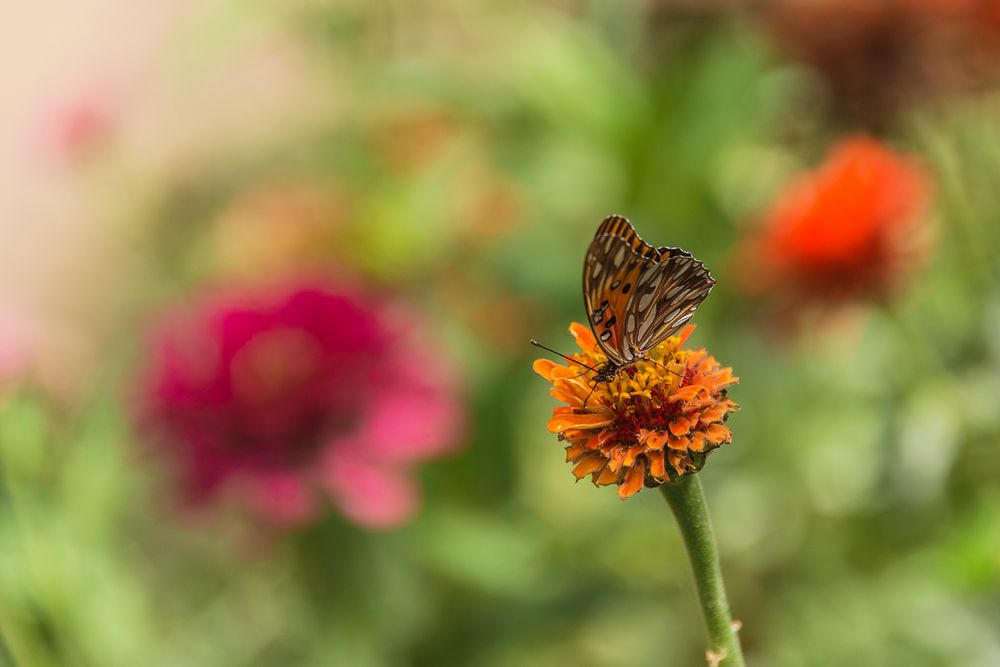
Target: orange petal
x=697, y=404
x=616, y=457
x=656, y=467
x=590, y=463
x=683, y=335
x=680, y=425
x=679, y=444
x=687, y=393
x=584, y=337
x=677, y=461
x=577, y=434
x=696, y=357
x=720, y=379
x=544, y=368
x=633, y=480
x=697, y=441
x=560, y=423
x=568, y=398
x=631, y=455
x=656, y=441
x=607, y=476
x=718, y=434
x=566, y=372
x=604, y=437
x=713, y=414
x=575, y=451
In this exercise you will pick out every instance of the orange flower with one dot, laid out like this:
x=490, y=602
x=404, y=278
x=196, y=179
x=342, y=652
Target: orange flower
x=849, y=229
x=657, y=420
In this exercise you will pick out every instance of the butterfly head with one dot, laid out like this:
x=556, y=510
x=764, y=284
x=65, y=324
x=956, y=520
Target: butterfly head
x=607, y=371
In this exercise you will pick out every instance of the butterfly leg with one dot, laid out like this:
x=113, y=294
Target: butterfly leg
x=667, y=369
x=592, y=390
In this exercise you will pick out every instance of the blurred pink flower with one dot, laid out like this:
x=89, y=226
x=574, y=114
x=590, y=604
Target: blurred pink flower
x=281, y=396
x=79, y=122
x=15, y=347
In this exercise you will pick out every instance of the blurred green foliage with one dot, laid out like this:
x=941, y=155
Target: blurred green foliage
x=473, y=149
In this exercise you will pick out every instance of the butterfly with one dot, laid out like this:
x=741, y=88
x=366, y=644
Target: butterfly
x=636, y=295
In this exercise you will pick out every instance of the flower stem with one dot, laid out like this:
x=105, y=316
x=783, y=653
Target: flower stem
x=687, y=501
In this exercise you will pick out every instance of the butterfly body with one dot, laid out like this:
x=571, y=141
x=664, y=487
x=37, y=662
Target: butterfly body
x=637, y=295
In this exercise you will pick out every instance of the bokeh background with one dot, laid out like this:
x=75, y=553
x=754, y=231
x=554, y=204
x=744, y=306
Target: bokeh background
x=268, y=272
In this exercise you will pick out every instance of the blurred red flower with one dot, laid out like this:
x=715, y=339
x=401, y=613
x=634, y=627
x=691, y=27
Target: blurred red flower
x=850, y=229
x=281, y=396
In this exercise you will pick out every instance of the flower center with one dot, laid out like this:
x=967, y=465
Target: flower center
x=653, y=413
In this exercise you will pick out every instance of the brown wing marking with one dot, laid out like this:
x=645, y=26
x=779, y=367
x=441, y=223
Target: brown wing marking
x=614, y=260
x=667, y=296
x=637, y=295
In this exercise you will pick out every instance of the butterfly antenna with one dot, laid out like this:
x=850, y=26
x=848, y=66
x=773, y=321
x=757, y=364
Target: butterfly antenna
x=537, y=344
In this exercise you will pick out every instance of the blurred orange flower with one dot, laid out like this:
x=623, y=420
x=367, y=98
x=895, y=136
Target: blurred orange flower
x=657, y=420
x=285, y=227
x=851, y=228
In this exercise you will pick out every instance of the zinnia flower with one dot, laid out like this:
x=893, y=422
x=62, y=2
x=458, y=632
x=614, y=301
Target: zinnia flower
x=850, y=229
x=657, y=420
x=281, y=396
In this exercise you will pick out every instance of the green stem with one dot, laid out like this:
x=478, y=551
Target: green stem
x=687, y=501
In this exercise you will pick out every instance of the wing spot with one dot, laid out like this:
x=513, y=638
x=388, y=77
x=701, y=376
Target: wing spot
x=605, y=336
x=619, y=257
x=626, y=287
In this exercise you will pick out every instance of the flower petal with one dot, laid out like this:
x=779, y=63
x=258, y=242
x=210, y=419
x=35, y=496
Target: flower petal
x=632, y=454
x=584, y=337
x=607, y=476
x=590, y=463
x=720, y=379
x=687, y=393
x=544, y=367
x=684, y=334
x=680, y=425
x=616, y=457
x=697, y=441
x=560, y=423
x=678, y=444
x=656, y=466
x=718, y=434
x=575, y=451
x=633, y=480
x=282, y=497
x=657, y=440
x=369, y=494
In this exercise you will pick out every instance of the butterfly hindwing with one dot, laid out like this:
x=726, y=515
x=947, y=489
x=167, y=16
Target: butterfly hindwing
x=637, y=295
x=674, y=289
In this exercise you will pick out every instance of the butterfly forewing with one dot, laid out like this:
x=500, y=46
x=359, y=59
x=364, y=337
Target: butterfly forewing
x=637, y=295
x=610, y=272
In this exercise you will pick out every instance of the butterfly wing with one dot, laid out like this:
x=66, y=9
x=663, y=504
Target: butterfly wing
x=666, y=294
x=637, y=295
x=614, y=263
